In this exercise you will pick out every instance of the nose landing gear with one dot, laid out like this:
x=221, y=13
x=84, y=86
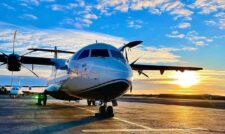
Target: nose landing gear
x=105, y=111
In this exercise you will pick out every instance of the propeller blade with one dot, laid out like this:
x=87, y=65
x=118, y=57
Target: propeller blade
x=14, y=38
x=141, y=72
x=30, y=70
x=2, y=64
x=126, y=55
x=27, y=53
x=134, y=61
x=144, y=74
x=4, y=54
x=131, y=88
x=131, y=44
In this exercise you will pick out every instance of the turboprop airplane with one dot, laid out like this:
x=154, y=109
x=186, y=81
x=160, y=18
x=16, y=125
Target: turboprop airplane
x=98, y=71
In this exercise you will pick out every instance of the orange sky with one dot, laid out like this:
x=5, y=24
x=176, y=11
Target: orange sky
x=209, y=82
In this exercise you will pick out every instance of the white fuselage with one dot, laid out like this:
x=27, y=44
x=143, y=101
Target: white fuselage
x=16, y=90
x=91, y=76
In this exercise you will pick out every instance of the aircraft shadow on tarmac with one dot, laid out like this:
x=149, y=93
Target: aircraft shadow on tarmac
x=30, y=108
x=65, y=125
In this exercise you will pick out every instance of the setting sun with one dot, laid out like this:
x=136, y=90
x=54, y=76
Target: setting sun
x=186, y=79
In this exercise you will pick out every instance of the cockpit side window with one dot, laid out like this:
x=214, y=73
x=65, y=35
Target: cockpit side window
x=84, y=54
x=117, y=55
x=99, y=53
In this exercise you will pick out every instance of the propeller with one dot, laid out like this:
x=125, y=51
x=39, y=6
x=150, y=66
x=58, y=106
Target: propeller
x=130, y=45
x=141, y=72
x=13, y=60
x=126, y=55
x=30, y=70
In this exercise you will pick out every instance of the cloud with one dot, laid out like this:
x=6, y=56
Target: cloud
x=175, y=8
x=184, y=25
x=7, y=6
x=200, y=43
x=29, y=17
x=192, y=36
x=136, y=24
x=58, y=7
x=189, y=48
x=33, y=2
x=67, y=39
x=154, y=55
x=84, y=15
x=210, y=22
x=208, y=6
x=73, y=40
x=181, y=13
x=122, y=8
x=218, y=20
x=90, y=16
x=198, y=40
x=175, y=34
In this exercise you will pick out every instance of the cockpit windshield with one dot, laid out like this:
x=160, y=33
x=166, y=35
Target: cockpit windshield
x=99, y=53
x=117, y=55
x=84, y=54
x=14, y=88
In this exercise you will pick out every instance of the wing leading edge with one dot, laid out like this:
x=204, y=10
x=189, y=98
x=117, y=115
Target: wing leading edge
x=163, y=68
x=35, y=60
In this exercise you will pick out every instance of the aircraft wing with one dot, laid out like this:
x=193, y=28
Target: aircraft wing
x=163, y=68
x=34, y=60
x=37, y=60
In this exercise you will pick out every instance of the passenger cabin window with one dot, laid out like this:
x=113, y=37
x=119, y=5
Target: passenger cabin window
x=117, y=55
x=84, y=54
x=99, y=53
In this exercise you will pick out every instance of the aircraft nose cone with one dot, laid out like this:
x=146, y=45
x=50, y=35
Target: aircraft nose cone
x=118, y=69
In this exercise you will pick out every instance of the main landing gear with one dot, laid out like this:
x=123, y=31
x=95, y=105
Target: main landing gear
x=42, y=98
x=105, y=111
x=91, y=101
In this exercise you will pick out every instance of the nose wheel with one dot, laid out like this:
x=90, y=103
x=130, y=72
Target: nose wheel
x=105, y=111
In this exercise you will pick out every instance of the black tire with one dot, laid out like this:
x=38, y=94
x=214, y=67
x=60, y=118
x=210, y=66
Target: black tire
x=89, y=102
x=102, y=109
x=93, y=102
x=110, y=110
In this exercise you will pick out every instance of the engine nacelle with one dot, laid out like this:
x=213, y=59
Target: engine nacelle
x=14, y=63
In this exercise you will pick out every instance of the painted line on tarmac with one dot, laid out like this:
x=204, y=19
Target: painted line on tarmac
x=132, y=123
x=129, y=122
x=141, y=130
x=145, y=128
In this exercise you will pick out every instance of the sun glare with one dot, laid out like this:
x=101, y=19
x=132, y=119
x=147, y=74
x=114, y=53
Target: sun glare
x=186, y=79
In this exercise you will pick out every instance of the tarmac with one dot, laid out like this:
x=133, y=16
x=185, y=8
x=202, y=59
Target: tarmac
x=133, y=115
